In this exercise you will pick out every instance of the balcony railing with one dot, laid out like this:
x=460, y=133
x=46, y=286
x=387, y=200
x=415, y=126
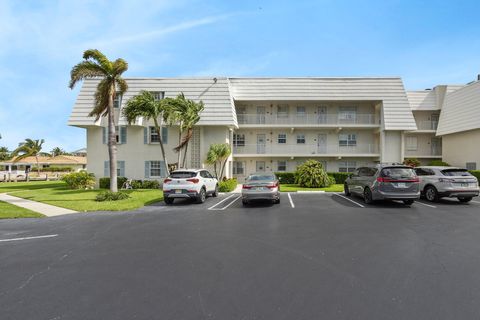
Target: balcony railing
x=307, y=119
x=427, y=125
x=304, y=149
x=432, y=152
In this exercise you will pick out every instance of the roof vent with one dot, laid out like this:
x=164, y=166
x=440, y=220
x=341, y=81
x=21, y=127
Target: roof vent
x=478, y=77
x=428, y=89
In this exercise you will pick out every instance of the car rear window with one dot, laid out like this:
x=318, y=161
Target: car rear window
x=398, y=172
x=456, y=172
x=261, y=178
x=183, y=174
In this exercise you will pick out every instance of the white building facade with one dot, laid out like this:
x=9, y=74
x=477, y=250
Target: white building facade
x=275, y=124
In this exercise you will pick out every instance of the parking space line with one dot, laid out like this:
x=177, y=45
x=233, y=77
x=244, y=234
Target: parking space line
x=425, y=204
x=222, y=201
x=228, y=205
x=475, y=201
x=291, y=201
x=358, y=204
x=29, y=238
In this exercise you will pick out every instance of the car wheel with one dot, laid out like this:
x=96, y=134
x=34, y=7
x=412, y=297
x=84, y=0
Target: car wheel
x=346, y=190
x=201, y=196
x=465, y=199
x=215, y=193
x=168, y=200
x=408, y=202
x=367, y=196
x=431, y=194
x=244, y=202
x=278, y=200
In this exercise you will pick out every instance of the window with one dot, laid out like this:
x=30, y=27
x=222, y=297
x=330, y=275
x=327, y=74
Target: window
x=154, y=136
x=347, y=166
x=412, y=143
x=118, y=100
x=366, y=172
x=155, y=168
x=238, y=167
x=299, y=163
x=281, y=166
x=301, y=138
x=120, y=168
x=471, y=166
x=301, y=112
x=183, y=174
x=424, y=172
x=347, y=114
x=282, y=138
x=120, y=135
x=158, y=95
x=347, y=140
x=238, y=140
x=282, y=111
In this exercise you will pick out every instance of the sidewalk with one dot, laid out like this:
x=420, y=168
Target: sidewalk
x=45, y=209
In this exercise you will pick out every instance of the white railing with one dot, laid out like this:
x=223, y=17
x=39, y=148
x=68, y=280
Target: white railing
x=435, y=151
x=427, y=125
x=307, y=119
x=295, y=149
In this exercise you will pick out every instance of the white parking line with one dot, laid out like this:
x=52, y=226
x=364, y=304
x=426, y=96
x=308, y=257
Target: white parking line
x=425, y=204
x=475, y=201
x=291, y=201
x=358, y=204
x=222, y=201
x=228, y=205
x=29, y=238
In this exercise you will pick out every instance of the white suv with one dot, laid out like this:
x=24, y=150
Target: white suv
x=189, y=183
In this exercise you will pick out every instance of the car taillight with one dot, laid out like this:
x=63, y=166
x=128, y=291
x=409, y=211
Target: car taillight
x=273, y=186
x=383, y=179
x=246, y=187
x=194, y=180
x=167, y=180
x=445, y=180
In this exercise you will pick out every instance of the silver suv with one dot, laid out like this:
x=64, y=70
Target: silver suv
x=439, y=182
x=384, y=182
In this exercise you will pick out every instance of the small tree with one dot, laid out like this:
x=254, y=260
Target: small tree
x=29, y=148
x=4, y=154
x=311, y=174
x=411, y=162
x=57, y=151
x=217, y=156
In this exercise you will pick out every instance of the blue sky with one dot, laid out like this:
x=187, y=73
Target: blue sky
x=425, y=42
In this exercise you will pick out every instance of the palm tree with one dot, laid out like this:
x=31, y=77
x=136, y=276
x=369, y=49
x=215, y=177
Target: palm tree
x=4, y=153
x=57, y=151
x=96, y=66
x=29, y=148
x=145, y=105
x=218, y=153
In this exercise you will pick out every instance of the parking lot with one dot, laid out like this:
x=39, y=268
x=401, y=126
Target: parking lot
x=311, y=256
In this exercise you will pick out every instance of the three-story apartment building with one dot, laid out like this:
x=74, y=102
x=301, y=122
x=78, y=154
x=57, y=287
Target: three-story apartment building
x=275, y=124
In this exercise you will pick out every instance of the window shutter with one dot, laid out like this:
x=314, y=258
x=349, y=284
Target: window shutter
x=104, y=135
x=165, y=135
x=145, y=135
x=121, y=167
x=123, y=135
x=147, y=169
x=163, y=169
x=106, y=169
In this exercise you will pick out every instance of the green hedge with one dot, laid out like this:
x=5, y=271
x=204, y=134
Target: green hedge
x=286, y=177
x=54, y=169
x=339, y=177
x=105, y=182
x=436, y=163
x=227, y=185
x=79, y=180
x=476, y=173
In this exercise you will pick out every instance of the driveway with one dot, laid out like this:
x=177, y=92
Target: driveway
x=313, y=256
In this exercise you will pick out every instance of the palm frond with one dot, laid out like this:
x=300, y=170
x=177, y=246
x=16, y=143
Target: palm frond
x=102, y=95
x=100, y=58
x=122, y=85
x=119, y=66
x=185, y=139
x=85, y=70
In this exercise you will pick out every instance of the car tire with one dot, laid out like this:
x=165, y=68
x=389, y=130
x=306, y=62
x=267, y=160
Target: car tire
x=244, y=202
x=215, y=193
x=168, y=201
x=408, y=202
x=346, y=190
x=431, y=194
x=367, y=196
x=202, y=195
x=465, y=199
x=278, y=200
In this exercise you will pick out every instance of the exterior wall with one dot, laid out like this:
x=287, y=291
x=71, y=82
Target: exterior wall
x=424, y=146
x=459, y=148
x=425, y=119
x=392, y=146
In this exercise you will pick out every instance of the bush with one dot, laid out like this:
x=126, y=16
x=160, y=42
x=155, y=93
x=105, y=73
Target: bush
x=137, y=184
x=411, y=162
x=339, y=177
x=312, y=175
x=227, y=185
x=475, y=173
x=438, y=163
x=286, y=177
x=150, y=184
x=111, y=196
x=79, y=180
x=54, y=169
x=105, y=182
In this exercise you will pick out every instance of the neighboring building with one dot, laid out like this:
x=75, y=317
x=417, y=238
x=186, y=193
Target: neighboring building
x=80, y=152
x=62, y=161
x=275, y=124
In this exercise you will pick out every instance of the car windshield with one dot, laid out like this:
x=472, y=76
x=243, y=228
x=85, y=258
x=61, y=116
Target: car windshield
x=182, y=174
x=398, y=173
x=456, y=172
x=261, y=177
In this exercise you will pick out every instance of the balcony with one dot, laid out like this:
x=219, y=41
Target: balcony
x=434, y=152
x=305, y=150
x=427, y=125
x=327, y=120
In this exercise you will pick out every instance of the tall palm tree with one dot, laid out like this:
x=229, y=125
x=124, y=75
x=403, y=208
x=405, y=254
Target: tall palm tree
x=96, y=66
x=217, y=156
x=29, y=148
x=57, y=151
x=145, y=105
x=4, y=153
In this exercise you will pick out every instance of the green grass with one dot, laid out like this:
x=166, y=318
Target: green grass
x=295, y=187
x=56, y=193
x=9, y=211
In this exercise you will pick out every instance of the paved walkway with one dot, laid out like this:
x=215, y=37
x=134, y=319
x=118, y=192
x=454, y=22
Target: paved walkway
x=43, y=208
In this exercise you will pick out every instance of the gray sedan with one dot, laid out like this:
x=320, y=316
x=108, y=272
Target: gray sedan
x=261, y=186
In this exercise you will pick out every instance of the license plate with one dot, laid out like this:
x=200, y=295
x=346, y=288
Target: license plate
x=259, y=188
x=401, y=185
x=178, y=191
x=464, y=185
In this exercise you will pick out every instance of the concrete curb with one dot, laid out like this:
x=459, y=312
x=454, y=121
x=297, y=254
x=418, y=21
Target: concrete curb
x=43, y=208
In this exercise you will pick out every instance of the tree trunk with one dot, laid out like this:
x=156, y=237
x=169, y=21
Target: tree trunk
x=223, y=167
x=162, y=148
x=179, y=142
x=112, y=142
x=38, y=166
x=185, y=156
x=215, y=169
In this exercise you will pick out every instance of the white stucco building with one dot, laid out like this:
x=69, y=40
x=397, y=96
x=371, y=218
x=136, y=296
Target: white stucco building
x=274, y=124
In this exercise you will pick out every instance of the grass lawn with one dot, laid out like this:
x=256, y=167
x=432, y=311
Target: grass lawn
x=295, y=187
x=9, y=211
x=57, y=194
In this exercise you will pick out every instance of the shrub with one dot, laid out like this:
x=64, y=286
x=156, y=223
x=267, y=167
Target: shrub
x=339, y=177
x=79, y=180
x=105, y=182
x=476, y=173
x=227, y=185
x=111, y=196
x=438, y=163
x=150, y=184
x=411, y=162
x=137, y=184
x=286, y=177
x=312, y=175
x=54, y=169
